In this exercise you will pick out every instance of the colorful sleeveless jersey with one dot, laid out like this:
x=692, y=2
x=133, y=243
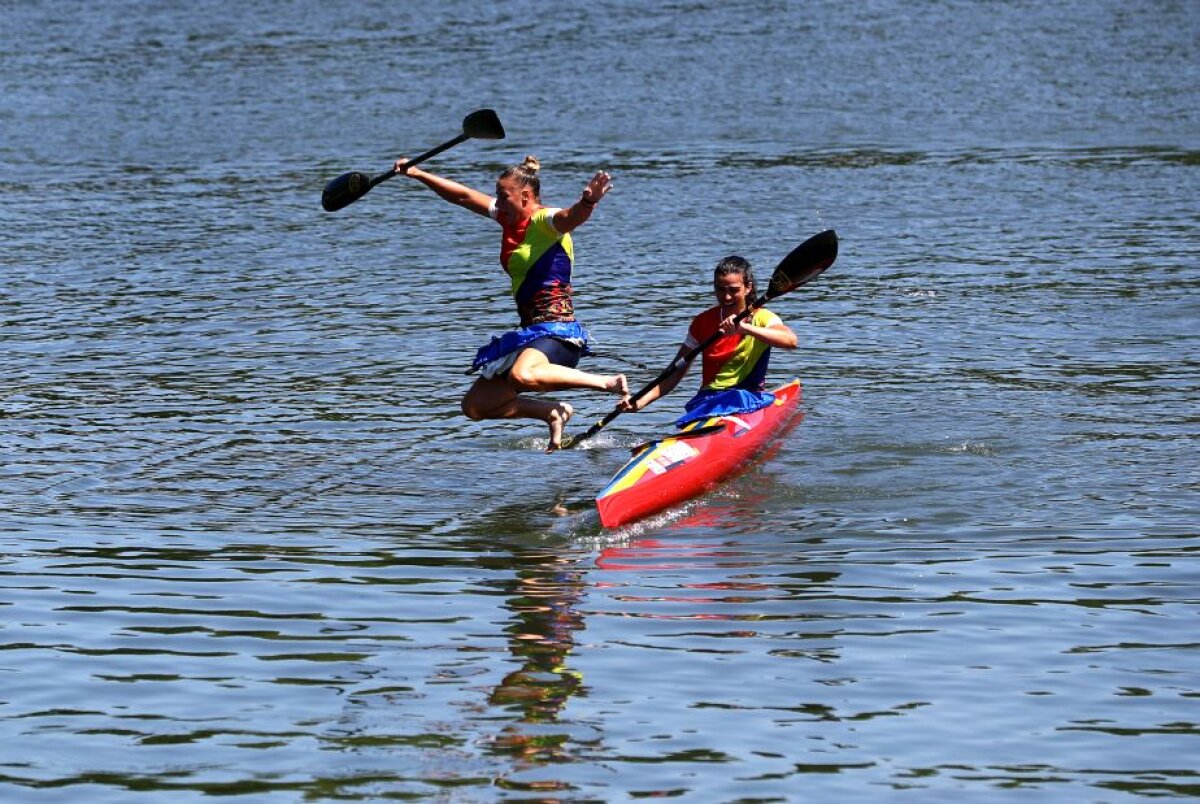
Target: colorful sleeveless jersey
x=733, y=360
x=538, y=260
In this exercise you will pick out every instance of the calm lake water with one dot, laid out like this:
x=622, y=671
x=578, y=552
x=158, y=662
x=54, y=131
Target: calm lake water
x=250, y=547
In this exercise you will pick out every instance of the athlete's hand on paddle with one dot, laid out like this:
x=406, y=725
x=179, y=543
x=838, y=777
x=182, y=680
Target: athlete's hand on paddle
x=665, y=383
x=740, y=324
x=733, y=323
x=628, y=405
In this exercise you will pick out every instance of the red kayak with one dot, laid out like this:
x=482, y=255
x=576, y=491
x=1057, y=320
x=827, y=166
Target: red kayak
x=678, y=467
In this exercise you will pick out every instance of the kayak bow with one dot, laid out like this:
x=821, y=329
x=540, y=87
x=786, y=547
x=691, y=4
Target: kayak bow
x=678, y=467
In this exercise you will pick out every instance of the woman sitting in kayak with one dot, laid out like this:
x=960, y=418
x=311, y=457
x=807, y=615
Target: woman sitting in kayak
x=537, y=253
x=735, y=365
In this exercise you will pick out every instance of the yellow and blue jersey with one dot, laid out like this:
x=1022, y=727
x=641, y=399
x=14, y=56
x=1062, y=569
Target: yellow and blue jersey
x=538, y=260
x=733, y=360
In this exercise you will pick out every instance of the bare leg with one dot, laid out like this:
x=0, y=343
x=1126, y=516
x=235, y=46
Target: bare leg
x=495, y=399
x=533, y=371
x=500, y=397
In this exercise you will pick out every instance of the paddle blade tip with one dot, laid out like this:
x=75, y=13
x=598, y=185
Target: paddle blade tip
x=345, y=190
x=483, y=124
x=825, y=242
x=806, y=262
x=829, y=242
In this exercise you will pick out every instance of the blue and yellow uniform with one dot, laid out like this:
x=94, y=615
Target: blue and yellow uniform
x=538, y=260
x=734, y=367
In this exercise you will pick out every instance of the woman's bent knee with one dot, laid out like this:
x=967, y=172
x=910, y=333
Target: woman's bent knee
x=523, y=378
x=470, y=410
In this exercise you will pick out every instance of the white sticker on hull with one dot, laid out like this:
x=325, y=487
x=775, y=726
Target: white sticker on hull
x=670, y=454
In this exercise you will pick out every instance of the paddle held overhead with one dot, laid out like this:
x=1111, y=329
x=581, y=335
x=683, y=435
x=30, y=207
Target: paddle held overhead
x=349, y=187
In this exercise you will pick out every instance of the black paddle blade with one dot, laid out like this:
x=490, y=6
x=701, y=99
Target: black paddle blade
x=483, y=125
x=345, y=190
x=806, y=262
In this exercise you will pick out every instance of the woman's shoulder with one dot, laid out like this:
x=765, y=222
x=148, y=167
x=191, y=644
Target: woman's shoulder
x=705, y=321
x=543, y=215
x=765, y=318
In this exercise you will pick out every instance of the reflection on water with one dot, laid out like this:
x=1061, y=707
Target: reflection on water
x=734, y=641
x=545, y=598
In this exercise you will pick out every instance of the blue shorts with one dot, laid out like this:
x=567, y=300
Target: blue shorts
x=560, y=353
x=555, y=339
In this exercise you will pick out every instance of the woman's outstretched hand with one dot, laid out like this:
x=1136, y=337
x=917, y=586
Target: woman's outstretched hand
x=597, y=187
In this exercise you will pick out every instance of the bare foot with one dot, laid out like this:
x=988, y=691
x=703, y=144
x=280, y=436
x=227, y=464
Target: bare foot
x=617, y=385
x=558, y=420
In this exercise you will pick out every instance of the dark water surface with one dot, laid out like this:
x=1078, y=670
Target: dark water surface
x=249, y=546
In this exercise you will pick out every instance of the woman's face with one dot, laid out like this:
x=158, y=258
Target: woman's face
x=514, y=201
x=731, y=292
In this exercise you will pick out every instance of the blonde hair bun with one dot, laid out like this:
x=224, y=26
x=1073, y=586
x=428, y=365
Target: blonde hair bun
x=532, y=164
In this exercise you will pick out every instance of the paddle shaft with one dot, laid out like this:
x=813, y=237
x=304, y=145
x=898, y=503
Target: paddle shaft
x=445, y=146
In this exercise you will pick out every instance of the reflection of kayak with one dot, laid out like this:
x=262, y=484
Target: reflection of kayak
x=678, y=467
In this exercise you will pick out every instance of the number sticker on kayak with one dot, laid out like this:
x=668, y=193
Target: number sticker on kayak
x=671, y=454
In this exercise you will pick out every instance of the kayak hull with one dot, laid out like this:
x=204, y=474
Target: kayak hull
x=676, y=468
